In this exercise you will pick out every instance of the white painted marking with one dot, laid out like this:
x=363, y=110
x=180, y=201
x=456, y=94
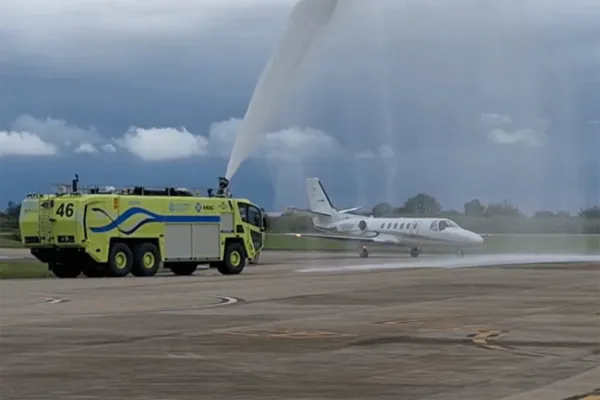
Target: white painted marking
x=468, y=261
x=185, y=356
x=52, y=300
x=226, y=300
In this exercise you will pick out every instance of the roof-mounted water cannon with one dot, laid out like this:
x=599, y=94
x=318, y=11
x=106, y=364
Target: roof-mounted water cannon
x=223, y=190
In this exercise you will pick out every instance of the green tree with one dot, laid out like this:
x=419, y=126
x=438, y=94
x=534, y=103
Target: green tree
x=474, y=208
x=590, y=213
x=382, y=210
x=422, y=204
x=544, y=214
x=503, y=209
x=13, y=210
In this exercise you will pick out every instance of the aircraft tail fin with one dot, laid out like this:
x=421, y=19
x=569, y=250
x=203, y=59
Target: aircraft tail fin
x=320, y=204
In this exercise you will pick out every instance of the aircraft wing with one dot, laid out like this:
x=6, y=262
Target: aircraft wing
x=372, y=239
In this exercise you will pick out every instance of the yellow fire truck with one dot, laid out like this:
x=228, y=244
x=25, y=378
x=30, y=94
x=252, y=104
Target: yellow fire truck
x=108, y=232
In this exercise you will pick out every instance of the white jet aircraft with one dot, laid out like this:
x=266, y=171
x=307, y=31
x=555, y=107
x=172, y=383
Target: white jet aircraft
x=411, y=232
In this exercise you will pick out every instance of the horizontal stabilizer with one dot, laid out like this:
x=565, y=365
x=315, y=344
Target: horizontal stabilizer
x=310, y=213
x=349, y=210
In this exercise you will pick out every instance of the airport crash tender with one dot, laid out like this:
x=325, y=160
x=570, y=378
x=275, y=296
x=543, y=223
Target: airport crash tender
x=109, y=232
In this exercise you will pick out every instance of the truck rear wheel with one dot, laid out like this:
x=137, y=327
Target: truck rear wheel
x=146, y=260
x=65, y=270
x=120, y=260
x=183, y=268
x=234, y=260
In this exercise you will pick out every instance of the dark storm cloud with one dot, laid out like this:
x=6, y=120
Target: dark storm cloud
x=417, y=77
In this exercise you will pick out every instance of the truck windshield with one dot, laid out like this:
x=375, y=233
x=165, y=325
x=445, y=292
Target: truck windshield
x=254, y=216
x=251, y=214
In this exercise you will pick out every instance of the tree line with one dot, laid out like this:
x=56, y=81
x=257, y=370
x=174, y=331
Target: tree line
x=501, y=217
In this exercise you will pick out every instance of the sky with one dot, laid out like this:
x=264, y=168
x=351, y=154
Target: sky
x=491, y=99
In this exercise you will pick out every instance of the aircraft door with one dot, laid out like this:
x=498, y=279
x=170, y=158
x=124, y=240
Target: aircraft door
x=414, y=228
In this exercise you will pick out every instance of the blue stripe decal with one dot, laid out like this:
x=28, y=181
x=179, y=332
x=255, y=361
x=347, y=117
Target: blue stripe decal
x=152, y=217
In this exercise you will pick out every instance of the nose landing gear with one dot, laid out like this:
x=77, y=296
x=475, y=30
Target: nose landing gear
x=414, y=252
x=460, y=253
x=363, y=252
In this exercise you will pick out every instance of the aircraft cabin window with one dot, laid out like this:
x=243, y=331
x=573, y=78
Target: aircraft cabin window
x=415, y=225
x=396, y=225
x=402, y=225
x=383, y=225
x=389, y=225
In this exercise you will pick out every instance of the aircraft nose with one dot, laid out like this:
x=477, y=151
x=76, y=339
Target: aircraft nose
x=475, y=238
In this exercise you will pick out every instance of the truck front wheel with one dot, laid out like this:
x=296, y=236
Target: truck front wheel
x=234, y=260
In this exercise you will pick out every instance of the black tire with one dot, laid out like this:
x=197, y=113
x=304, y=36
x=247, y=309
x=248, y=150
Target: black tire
x=93, y=271
x=234, y=260
x=68, y=271
x=183, y=269
x=120, y=260
x=364, y=253
x=146, y=260
x=414, y=253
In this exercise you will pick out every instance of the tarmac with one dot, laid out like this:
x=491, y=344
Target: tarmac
x=310, y=326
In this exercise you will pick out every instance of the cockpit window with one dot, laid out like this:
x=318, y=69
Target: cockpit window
x=446, y=223
x=434, y=226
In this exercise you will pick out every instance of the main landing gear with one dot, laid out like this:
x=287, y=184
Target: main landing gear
x=460, y=253
x=415, y=252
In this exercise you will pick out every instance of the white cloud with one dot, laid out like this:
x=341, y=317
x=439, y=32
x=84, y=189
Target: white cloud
x=109, y=148
x=86, y=148
x=24, y=144
x=56, y=131
x=502, y=131
x=292, y=143
x=384, y=152
x=162, y=144
x=521, y=137
x=495, y=120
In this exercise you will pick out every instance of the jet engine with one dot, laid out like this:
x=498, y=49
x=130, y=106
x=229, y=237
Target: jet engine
x=353, y=226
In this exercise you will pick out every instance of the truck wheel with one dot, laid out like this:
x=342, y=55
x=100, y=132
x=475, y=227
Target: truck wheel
x=65, y=270
x=120, y=260
x=146, y=260
x=234, y=260
x=183, y=269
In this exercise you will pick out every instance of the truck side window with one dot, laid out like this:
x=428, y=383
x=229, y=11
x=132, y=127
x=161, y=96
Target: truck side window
x=254, y=216
x=243, y=211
